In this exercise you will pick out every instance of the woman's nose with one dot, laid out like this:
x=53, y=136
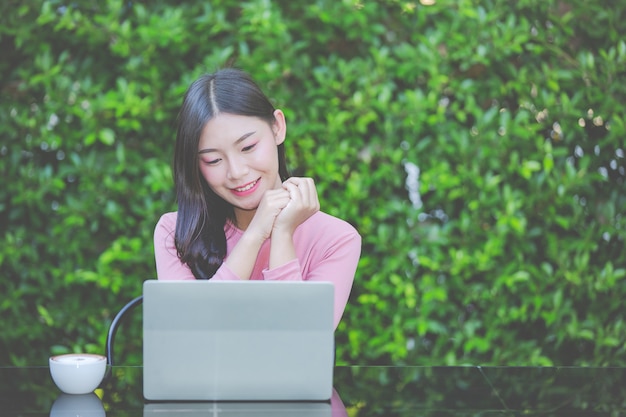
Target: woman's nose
x=237, y=168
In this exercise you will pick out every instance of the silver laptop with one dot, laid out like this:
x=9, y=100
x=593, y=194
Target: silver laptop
x=237, y=340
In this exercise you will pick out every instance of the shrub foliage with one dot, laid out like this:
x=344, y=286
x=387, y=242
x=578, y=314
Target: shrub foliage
x=478, y=146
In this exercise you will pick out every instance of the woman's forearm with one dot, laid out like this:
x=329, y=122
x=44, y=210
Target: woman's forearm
x=282, y=249
x=243, y=256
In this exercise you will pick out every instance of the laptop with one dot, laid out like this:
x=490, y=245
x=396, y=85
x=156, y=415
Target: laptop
x=238, y=340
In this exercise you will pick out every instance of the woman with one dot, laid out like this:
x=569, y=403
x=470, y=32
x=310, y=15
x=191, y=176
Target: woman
x=240, y=216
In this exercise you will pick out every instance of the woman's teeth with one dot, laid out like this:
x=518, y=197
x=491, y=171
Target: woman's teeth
x=246, y=188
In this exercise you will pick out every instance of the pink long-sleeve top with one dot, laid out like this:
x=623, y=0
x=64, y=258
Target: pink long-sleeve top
x=327, y=249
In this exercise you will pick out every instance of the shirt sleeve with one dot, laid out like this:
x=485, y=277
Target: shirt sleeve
x=339, y=266
x=336, y=262
x=224, y=273
x=288, y=272
x=168, y=265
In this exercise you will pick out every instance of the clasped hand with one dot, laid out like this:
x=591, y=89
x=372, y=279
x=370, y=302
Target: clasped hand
x=283, y=210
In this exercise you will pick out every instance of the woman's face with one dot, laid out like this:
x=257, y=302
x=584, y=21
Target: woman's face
x=238, y=158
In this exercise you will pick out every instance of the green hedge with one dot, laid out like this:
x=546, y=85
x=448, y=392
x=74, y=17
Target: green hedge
x=478, y=146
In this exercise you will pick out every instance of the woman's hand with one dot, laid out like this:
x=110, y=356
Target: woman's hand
x=279, y=213
x=243, y=256
x=303, y=203
x=272, y=203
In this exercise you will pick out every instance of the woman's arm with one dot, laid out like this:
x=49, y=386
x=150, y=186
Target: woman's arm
x=168, y=264
x=303, y=203
x=243, y=256
x=339, y=267
x=330, y=255
x=330, y=251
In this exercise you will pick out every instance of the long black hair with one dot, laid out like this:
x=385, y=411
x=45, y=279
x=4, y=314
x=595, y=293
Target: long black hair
x=200, y=238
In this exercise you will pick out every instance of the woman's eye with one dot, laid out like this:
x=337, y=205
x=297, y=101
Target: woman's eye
x=249, y=147
x=211, y=162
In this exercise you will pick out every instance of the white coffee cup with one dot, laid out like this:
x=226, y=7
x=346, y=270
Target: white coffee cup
x=77, y=373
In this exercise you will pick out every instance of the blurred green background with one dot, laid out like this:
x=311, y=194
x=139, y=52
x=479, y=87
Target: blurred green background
x=477, y=145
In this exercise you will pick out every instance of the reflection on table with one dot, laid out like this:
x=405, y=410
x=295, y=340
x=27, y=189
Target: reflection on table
x=91, y=405
x=334, y=408
x=359, y=391
x=68, y=405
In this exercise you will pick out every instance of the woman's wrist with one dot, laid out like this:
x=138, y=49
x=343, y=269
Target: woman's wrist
x=252, y=237
x=282, y=232
x=282, y=249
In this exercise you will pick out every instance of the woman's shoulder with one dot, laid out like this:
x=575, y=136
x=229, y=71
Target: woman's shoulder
x=323, y=223
x=168, y=220
x=325, y=234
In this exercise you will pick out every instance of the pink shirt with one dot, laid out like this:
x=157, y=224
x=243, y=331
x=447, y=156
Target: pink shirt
x=327, y=249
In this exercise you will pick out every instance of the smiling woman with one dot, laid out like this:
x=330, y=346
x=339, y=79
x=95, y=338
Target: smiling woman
x=238, y=159
x=240, y=216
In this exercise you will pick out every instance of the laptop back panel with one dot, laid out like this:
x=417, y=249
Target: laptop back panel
x=238, y=340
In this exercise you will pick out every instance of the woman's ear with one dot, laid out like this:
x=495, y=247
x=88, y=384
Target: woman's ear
x=280, y=126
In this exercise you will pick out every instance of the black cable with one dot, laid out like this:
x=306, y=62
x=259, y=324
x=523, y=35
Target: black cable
x=113, y=330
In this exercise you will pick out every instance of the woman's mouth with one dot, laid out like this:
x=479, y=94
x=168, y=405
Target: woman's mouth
x=246, y=189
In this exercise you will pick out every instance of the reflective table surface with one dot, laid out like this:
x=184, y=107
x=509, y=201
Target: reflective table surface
x=358, y=391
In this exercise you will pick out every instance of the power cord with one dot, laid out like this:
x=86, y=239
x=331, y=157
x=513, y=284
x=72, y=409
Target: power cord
x=113, y=330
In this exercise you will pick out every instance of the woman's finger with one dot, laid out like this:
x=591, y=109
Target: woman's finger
x=306, y=191
x=294, y=191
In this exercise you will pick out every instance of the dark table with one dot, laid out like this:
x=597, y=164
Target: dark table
x=359, y=391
